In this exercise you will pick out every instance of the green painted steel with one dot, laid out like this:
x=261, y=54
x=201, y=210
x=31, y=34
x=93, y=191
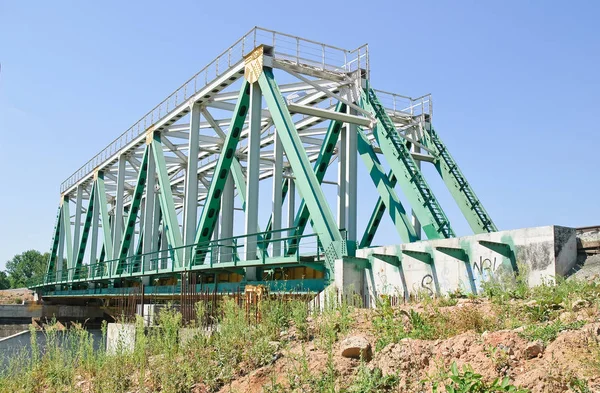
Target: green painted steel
x=306, y=179
x=133, y=269
x=376, y=217
x=320, y=167
x=284, y=191
x=422, y=200
x=240, y=183
x=132, y=216
x=386, y=190
x=85, y=233
x=212, y=204
x=66, y=229
x=55, y=243
x=165, y=197
x=106, y=231
x=462, y=192
x=310, y=286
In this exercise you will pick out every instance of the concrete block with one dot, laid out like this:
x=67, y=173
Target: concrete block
x=438, y=267
x=120, y=338
x=348, y=277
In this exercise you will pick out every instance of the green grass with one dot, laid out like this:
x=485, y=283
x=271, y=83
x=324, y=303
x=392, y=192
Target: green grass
x=468, y=381
x=547, y=332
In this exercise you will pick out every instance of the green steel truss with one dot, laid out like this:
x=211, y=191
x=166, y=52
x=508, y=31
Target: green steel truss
x=376, y=217
x=210, y=212
x=320, y=167
x=306, y=179
x=387, y=194
x=167, y=206
x=132, y=259
x=134, y=208
x=52, y=262
x=410, y=179
x=470, y=206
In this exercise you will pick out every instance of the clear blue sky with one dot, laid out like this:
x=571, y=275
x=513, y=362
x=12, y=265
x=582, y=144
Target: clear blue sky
x=515, y=87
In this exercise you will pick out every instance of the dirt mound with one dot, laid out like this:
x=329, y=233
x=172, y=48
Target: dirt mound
x=16, y=296
x=417, y=363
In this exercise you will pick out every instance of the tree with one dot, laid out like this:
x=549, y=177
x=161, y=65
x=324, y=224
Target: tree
x=26, y=269
x=4, y=282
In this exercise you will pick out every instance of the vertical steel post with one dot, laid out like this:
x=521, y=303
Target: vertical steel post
x=118, y=218
x=94, y=236
x=351, y=180
x=277, y=195
x=156, y=218
x=190, y=210
x=167, y=205
x=227, y=210
x=342, y=161
x=291, y=205
x=215, y=249
x=149, y=209
x=66, y=230
x=103, y=212
x=164, y=246
x=60, y=255
x=223, y=168
x=77, y=222
x=132, y=215
x=252, y=174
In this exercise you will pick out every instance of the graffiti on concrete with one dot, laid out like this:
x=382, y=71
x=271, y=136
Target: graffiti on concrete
x=485, y=265
x=427, y=284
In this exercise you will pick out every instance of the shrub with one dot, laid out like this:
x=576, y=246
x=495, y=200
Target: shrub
x=549, y=331
x=468, y=381
x=371, y=381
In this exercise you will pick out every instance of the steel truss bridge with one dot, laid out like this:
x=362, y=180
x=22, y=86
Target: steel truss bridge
x=159, y=202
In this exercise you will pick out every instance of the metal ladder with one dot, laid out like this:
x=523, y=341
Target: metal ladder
x=402, y=153
x=462, y=186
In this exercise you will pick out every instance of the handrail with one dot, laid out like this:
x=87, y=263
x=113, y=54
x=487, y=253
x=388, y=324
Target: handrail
x=106, y=268
x=331, y=58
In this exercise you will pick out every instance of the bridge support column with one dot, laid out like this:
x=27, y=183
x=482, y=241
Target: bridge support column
x=291, y=205
x=252, y=174
x=277, y=202
x=118, y=217
x=149, y=212
x=351, y=180
x=164, y=253
x=94, y=238
x=191, y=184
x=227, y=211
x=154, y=241
x=77, y=222
x=341, y=199
x=60, y=256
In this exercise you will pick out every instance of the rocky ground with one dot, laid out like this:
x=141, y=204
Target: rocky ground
x=15, y=296
x=559, y=365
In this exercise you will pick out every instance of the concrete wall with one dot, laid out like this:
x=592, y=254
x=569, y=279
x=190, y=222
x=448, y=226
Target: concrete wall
x=20, y=343
x=465, y=262
x=120, y=338
x=9, y=330
x=24, y=313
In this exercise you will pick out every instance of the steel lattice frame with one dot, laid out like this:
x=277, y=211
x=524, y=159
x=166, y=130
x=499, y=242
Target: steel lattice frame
x=160, y=199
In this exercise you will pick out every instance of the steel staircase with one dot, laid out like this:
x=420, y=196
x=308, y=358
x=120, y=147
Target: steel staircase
x=402, y=154
x=465, y=196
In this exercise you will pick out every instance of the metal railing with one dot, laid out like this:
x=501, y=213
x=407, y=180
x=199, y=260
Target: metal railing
x=285, y=47
x=215, y=254
x=399, y=105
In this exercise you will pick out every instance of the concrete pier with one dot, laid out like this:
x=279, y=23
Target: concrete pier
x=439, y=267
